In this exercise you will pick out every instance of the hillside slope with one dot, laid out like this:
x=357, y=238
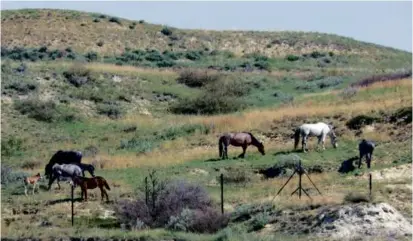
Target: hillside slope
x=83, y=31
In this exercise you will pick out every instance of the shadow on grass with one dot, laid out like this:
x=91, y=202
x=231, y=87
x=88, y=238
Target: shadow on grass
x=53, y=202
x=288, y=152
x=347, y=165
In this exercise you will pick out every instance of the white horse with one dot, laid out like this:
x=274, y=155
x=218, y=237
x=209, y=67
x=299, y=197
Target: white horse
x=320, y=130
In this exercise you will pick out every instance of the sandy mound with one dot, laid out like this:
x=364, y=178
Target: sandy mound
x=360, y=220
x=345, y=222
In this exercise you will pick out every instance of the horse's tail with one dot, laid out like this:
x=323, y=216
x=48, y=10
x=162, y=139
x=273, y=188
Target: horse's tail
x=221, y=146
x=296, y=137
x=105, y=183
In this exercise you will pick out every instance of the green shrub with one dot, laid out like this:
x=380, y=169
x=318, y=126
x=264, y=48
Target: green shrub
x=207, y=104
x=92, y=56
x=31, y=164
x=354, y=197
x=403, y=115
x=166, y=31
x=9, y=177
x=23, y=87
x=283, y=97
x=115, y=20
x=292, y=58
x=359, y=121
x=112, y=110
x=78, y=75
x=196, y=78
x=47, y=111
x=100, y=44
x=141, y=21
x=259, y=221
x=11, y=146
x=237, y=176
x=140, y=145
x=218, y=97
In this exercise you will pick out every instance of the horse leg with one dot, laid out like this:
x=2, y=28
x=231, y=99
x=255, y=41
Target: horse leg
x=368, y=160
x=51, y=180
x=85, y=194
x=304, y=143
x=360, y=157
x=244, y=148
x=101, y=192
x=225, y=155
x=34, y=187
x=25, y=190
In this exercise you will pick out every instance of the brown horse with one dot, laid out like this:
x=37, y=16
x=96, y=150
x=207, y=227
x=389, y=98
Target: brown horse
x=242, y=139
x=33, y=180
x=92, y=183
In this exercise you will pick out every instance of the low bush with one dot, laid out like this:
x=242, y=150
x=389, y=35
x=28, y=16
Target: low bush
x=196, y=78
x=78, y=75
x=323, y=83
x=115, y=20
x=112, y=110
x=292, y=58
x=237, y=176
x=354, y=197
x=22, y=87
x=176, y=205
x=359, y=121
x=9, y=177
x=402, y=115
x=166, y=31
x=31, y=164
x=259, y=221
x=283, y=97
x=11, y=146
x=348, y=92
x=47, y=111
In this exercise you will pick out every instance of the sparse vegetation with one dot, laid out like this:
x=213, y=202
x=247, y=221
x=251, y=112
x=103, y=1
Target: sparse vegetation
x=164, y=108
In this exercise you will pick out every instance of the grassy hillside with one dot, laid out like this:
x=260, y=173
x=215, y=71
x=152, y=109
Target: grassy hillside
x=133, y=96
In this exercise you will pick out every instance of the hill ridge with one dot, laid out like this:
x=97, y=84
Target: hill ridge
x=83, y=30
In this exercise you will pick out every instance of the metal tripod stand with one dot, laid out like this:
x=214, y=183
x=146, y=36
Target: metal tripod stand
x=300, y=170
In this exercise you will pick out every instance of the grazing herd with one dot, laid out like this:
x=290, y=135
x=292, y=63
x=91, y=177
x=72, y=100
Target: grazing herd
x=66, y=165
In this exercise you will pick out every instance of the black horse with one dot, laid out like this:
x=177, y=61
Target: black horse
x=63, y=157
x=366, y=148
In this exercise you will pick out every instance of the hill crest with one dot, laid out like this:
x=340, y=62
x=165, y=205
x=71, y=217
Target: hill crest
x=110, y=35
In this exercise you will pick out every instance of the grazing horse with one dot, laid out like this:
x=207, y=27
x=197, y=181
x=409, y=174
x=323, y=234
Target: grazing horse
x=64, y=171
x=320, y=130
x=242, y=139
x=87, y=167
x=92, y=183
x=33, y=180
x=366, y=148
x=62, y=157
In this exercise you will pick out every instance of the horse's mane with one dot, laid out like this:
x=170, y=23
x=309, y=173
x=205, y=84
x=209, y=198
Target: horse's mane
x=253, y=137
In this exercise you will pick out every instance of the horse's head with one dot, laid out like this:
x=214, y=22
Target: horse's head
x=39, y=176
x=92, y=170
x=48, y=170
x=260, y=147
x=334, y=140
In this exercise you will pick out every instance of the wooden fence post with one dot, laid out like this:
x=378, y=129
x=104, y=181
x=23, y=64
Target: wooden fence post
x=222, y=193
x=73, y=213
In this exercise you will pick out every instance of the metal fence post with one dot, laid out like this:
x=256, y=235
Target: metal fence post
x=222, y=193
x=73, y=213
